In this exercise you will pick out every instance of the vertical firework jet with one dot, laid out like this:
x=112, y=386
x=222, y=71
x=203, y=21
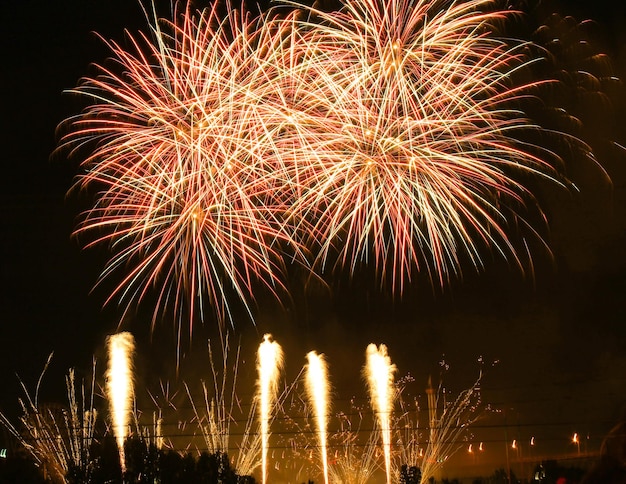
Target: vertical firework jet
x=269, y=365
x=317, y=390
x=120, y=387
x=379, y=372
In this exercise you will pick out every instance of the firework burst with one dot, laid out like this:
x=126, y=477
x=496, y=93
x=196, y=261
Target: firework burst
x=383, y=133
x=180, y=139
x=418, y=167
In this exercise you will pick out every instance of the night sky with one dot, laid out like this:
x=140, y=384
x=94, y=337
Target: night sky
x=559, y=339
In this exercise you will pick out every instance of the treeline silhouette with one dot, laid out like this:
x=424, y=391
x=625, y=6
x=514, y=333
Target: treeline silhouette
x=147, y=464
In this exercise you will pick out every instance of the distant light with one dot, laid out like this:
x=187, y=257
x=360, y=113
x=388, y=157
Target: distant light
x=3, y=453
x=532, y=441
x=514, y=444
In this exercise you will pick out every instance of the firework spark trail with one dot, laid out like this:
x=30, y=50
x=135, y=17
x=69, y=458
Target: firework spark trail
x=120, y=386
x=354, y=461
x=417, y=165
x=317, y=390
x=215, y=424
x=379, y=372
x=452, y=425
x=269, y=365
x=251, y=444
x=57, y=440
x=448, y=426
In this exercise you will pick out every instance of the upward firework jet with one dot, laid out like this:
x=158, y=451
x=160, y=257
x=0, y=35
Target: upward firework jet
x=317, y=390
x=379, y=371
x=269, y=364
x=120, y=387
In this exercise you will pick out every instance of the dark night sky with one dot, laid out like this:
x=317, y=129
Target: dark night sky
x=561, y=342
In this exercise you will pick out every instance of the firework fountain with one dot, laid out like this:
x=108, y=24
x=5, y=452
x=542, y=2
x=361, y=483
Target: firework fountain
x=379, y=372
x=60, y=441
x=269, y=365
x=317, y=390
x=120, y=386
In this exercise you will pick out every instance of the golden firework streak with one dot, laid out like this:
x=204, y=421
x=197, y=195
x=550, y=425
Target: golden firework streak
x=379, y=371
x=317, y=389
x=269, y=364
x=119, y=386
